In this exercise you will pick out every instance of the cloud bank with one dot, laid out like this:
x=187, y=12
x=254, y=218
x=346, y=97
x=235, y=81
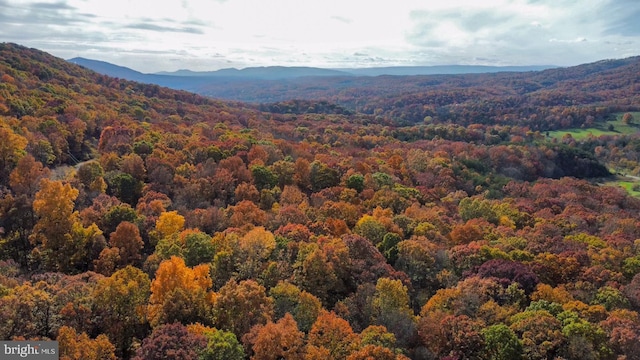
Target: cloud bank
x=151, y=36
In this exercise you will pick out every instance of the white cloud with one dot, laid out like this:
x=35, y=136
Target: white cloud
x=151, y=35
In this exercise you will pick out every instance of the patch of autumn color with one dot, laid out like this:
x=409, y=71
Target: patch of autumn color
x=464, y=234
x=79, y=346
x=199, y=329
x=370, y=228
x=127, y=239
x=120, y=302
x=493, y=313
x=385, y=217
x=246, y=214
x=240, y=306
x=593, y=313
x=391, y=296
x=317, y=353
x=378, y=335
x=540, y=332
x=304, y=307
x=58, y=232
x=173, y=275
x=335, y=334
x=273, y=341
x=258, y=243
x=12, y=147
x=171, y=341
x=558, y=294
x=370, y=352
x=169, y=223
x=26, y=176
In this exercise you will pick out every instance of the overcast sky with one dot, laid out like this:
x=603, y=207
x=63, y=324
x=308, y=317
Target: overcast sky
x=156, y=35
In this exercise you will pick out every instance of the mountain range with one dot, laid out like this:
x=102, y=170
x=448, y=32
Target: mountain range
x=288, y=72
x=203, y=81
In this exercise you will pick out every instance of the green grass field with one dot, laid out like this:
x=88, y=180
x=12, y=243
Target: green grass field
x=627, y=185
x=599, y=129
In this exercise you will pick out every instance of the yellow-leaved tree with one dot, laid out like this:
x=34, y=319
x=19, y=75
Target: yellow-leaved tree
x=62, y=243
x=169, y=223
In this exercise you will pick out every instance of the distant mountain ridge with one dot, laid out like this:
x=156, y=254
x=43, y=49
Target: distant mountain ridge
x=289, y=72
x=285, y=72
x=278, y=83
x=107, y=68
x=189, y=83
x=262, y=72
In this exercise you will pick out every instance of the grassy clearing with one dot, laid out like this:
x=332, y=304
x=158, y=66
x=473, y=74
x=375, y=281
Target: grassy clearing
x=580, y=134
x=629, y=187
x=626, y=183
x=599, y=129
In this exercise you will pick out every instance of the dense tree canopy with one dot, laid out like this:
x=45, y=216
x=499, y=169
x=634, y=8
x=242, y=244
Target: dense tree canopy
x=440, y=222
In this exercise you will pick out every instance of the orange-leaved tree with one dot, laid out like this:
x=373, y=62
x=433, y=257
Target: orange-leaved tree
x=80, y=346
x=280, y=340
x=180, y=293
x=335, y=334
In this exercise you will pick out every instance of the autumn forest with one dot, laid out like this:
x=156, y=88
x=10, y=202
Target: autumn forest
x=390, y=217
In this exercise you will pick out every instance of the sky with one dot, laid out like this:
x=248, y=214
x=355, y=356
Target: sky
x=201, y=35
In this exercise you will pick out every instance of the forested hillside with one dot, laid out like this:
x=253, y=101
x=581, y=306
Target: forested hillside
x=541, y=98
x=440, y=223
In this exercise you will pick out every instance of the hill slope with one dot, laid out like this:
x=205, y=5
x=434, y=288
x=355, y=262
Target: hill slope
x=350, y=86
x=105, y=68
x=39, y=86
